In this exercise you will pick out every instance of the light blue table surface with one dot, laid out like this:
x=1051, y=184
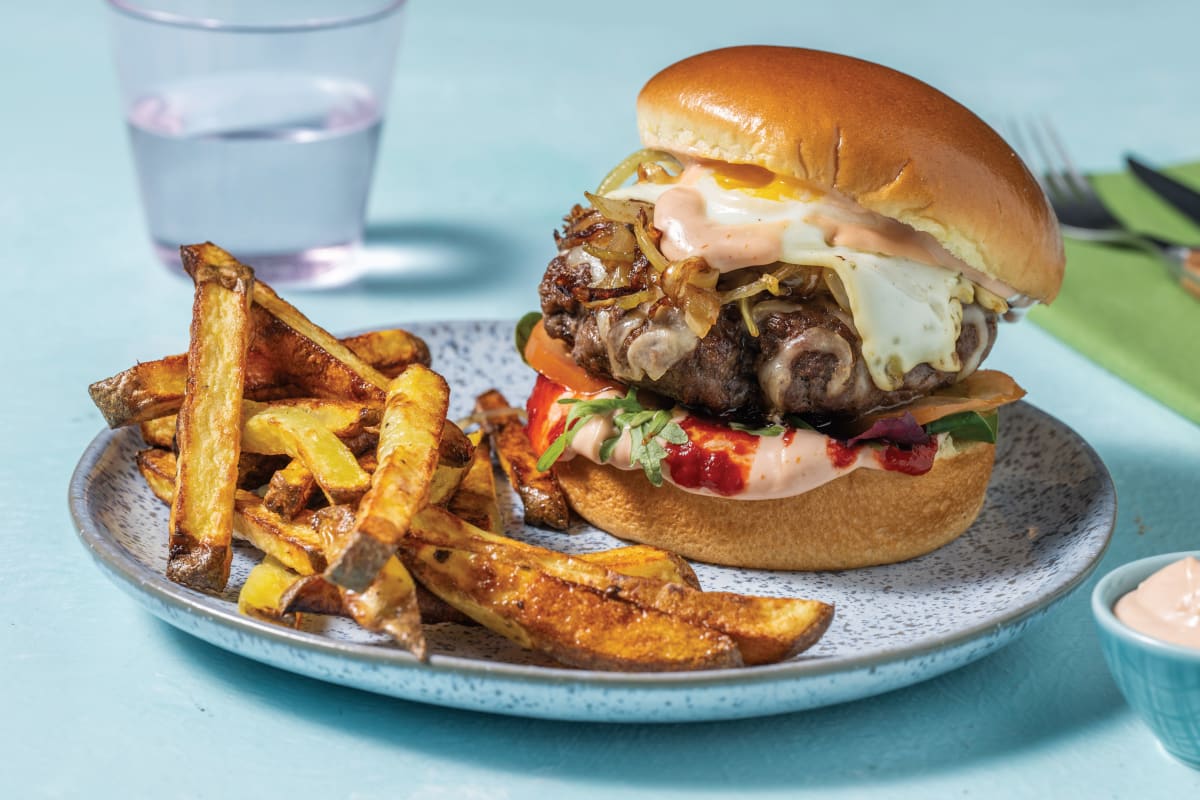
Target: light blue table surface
x=502, y=113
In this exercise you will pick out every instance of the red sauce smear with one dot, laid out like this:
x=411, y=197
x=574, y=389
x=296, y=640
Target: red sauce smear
x=841, y=455
x=715, y=457
x=914, y=460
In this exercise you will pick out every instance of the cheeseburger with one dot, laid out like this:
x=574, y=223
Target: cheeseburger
x=761, y=338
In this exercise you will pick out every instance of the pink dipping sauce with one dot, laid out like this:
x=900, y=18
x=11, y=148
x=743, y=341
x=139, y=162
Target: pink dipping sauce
x=1166, y=605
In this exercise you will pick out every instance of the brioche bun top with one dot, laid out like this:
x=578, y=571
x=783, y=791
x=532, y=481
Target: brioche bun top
x=881, y=138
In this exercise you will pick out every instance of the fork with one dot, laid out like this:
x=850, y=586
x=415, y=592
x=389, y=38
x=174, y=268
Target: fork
x=1082, y=214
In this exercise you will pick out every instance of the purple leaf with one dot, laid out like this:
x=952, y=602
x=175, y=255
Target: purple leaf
x=898, y=430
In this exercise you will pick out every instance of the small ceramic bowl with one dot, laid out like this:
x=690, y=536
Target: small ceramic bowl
x=1160, y=680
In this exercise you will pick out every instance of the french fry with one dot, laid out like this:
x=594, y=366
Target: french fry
x=154, y=389
x=475, y=499
x=345, y=419
x=262, y=595
x=577, y=625
x=159, y=432
x=390, y=604
x=256, y=469
x=389, y=351
x=455, y=448
x=543, y=499
x=644, y=561
x=290, y=489
x=208, y=429
x=298, y=544
x=413, y=421
x=309, y=356
x=445, y=483
x=312, y=594
x=766, y=629
x=158, y=469
x=284, y=430
x=293, y=542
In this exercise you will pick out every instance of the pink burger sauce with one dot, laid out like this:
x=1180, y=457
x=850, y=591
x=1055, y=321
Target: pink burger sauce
x=1166, y=605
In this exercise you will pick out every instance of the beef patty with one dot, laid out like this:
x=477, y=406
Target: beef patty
x=807, y=358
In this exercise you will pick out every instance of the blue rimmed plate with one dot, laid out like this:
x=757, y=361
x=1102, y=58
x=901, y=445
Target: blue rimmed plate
x=1048, y=517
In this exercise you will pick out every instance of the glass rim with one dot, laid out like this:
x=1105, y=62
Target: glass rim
x=134, y=9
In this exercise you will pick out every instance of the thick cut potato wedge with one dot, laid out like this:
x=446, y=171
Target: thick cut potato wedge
x=154, y=389
x=309, y=356
x=290, y=489
x=159, y=432
x=293, y=542
x=390, y=350
x=445, y=483
x=766, y=629
x=455, y=448
x=543, y=499
x=644, y=561
x=284, y=430
x=297, y=544
x=390, y=604
x=312, y=594
x=208, y=431
x=408, y=453
x=475, y=500
x=143, y=392
x=577, y=625
x=345, y=419
x=262, y=595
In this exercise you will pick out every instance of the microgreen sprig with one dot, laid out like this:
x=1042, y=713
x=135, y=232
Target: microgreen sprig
x=648, y=429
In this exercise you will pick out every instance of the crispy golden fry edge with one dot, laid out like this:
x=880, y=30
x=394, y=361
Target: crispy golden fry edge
x=543, y=499
x=208, y=431
x=154, y=389
x=413, y=422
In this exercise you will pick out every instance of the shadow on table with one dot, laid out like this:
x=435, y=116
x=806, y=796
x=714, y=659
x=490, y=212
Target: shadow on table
x=991, y=709
x=1050, y=684
x=431, y=256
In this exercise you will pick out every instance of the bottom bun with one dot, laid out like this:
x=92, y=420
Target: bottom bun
x=865, y=518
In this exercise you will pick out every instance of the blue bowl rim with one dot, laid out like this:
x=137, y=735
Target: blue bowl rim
x=1123, y=579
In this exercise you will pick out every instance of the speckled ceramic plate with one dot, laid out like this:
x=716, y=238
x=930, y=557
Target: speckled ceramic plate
x=1048, y=517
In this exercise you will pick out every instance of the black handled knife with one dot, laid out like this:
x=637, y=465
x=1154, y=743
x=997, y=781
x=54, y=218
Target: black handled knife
x=1181, y=196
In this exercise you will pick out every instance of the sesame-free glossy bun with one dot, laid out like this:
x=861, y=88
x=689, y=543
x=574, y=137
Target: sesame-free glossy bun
x=863, y=518
x=891, y=143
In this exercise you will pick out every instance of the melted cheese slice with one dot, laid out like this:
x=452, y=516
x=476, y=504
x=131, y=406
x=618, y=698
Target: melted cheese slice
x=906, y=312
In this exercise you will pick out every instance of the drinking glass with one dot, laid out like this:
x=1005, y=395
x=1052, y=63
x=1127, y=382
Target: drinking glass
x=254, y=125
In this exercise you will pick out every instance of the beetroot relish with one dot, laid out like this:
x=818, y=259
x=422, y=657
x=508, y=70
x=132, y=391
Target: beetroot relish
x=715, y=457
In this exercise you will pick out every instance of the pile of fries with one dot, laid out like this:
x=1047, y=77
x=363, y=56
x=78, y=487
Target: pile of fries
x=335, y=459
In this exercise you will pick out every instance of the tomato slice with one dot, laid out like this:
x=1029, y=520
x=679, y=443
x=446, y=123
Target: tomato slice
x=551, y=358
x=980, y=391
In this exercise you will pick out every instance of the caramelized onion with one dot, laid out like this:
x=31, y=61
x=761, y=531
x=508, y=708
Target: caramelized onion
x=606, y=254
x=629, y=165
x=626, y=211
x=748, y=316
x=645, y=242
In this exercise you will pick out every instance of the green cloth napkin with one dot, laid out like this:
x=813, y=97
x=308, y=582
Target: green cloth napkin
x=1122, y=310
